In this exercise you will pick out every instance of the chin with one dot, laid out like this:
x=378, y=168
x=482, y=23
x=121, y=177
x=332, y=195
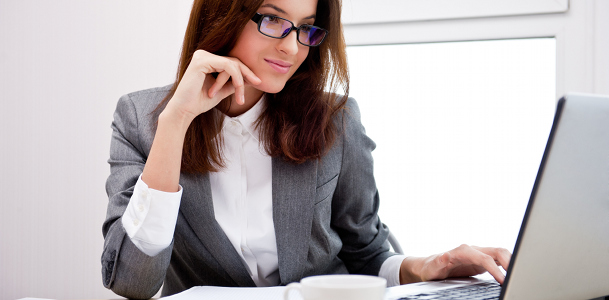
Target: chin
x=272, y=88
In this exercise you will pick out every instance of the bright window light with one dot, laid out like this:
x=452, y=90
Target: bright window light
x=460, y=129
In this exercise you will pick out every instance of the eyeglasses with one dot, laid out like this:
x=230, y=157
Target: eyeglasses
x=276, y=27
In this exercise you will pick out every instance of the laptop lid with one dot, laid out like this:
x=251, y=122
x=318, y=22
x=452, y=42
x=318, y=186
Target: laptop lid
x=562, y=250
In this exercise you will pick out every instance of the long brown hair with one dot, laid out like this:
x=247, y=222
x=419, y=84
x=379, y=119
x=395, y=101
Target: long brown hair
x=296, y=123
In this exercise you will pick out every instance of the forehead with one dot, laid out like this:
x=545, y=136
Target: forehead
x=292, y=8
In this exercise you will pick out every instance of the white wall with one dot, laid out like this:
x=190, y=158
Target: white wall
x=63, y=66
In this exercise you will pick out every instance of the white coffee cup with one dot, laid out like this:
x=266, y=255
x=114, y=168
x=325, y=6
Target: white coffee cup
x=330, y=287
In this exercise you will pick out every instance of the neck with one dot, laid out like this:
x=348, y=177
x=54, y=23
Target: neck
x=252, y=96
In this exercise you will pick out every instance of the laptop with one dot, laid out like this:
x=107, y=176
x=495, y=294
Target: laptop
x=562, y=250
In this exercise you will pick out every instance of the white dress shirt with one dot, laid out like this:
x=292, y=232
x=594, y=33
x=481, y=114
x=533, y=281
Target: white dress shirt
x=242, y=197
x=242, y=200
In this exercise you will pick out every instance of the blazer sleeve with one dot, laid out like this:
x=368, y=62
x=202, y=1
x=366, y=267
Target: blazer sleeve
x=356, y=201
x=125, y=269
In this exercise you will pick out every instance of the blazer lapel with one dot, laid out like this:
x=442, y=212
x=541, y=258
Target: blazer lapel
x=293, y=196
x=197, y=208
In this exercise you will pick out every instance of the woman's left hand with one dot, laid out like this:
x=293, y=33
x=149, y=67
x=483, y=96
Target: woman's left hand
x=460, y=262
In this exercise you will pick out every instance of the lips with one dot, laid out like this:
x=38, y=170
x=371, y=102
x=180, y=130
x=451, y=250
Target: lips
x=278, y=65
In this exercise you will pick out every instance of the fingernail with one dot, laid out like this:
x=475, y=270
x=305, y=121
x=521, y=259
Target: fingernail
x=242, y=99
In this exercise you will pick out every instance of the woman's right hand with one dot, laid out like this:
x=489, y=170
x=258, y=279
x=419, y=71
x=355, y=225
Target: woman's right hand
x=199, y=92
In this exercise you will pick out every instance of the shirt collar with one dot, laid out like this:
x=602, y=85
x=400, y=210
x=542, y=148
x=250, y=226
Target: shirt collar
x=248, y=118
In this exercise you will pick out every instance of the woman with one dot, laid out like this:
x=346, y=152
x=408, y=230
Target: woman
x=245, y=172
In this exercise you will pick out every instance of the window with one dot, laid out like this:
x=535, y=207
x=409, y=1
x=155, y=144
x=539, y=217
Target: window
x=460, y=129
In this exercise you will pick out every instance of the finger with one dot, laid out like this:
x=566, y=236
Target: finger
x=225, y=91
x=488, y=262
x=192, y=79
x=501, y=255
x=504, y=257
x=218, y=84
x=233, y=68
x=249, y=75
x=198, y=68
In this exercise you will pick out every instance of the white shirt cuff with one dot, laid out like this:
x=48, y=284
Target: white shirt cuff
x=390, y=270
x=150, y=218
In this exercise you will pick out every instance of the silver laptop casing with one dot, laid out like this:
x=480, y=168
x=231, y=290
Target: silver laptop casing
x=562, y=251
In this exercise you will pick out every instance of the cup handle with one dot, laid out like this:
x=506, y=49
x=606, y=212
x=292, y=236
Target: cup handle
x=291, y=286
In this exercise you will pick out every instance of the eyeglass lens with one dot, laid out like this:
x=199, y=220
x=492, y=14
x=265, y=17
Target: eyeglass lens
x=277, y=27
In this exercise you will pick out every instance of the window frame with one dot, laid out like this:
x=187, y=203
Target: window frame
x=361, y=12
x=581, y=34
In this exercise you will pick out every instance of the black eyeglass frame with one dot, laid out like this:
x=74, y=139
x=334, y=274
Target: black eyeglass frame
x=257, y=18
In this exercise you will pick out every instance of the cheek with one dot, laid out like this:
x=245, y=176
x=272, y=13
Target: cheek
x=250, y=49
x=246, y=47
x=301, y=57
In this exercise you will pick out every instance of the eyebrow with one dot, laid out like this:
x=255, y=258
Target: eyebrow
x=283, y=11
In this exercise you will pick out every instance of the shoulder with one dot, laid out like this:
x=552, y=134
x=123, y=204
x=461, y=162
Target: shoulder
x=151, y=92
x=145, y=100
x=350, y=133
x=352, y=109
x=348, y=117
x=134, y=117
x=351, y=128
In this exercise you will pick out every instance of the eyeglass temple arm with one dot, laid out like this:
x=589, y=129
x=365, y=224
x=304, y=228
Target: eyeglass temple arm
x=256, y=18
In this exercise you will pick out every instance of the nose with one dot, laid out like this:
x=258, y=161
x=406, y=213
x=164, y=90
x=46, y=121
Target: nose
x=289, y=44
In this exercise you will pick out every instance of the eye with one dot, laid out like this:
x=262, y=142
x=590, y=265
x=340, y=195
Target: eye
x=306, y=28
x=273, y=19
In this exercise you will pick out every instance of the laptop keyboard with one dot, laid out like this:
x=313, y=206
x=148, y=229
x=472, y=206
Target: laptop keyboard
x=480, y=291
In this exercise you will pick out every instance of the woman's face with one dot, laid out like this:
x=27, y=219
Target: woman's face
x=274, y=61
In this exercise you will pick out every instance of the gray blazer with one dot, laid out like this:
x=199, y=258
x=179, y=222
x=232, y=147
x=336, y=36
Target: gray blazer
x=324, y=211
